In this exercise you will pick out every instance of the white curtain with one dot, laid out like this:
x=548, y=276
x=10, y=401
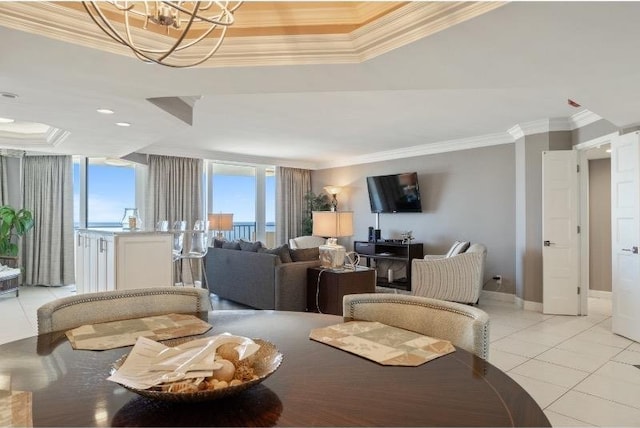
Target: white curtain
x=48, y=194
x=292, y=184
x=175, y=193
x=175, y=190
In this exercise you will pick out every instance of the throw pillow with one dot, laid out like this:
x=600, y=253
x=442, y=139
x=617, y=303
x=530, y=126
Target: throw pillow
x=231, y=245
x=305, y=254
x=217, y=243
x=249, y=246
x=281, y=251
x=458, y=247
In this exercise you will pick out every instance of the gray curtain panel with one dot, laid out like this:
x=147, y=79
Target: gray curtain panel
x=48, y=247
x=4, y=191
x=292, y=184
x=175, y=193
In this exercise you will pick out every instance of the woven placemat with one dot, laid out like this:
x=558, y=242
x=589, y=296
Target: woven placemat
x=116, y=334
x=382, y=343
x=15, y=409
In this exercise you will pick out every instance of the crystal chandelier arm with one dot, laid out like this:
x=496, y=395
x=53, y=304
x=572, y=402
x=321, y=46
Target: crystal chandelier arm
x=183, y=34
x=226, y=12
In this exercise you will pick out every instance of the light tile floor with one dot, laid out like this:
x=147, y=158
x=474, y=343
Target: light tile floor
x=579, y=372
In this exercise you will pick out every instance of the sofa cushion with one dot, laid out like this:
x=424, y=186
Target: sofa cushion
x=231, y=245
x=281, y=251
x=217, y=243
x=304, y=254
x=249, y=246
x=458, y=247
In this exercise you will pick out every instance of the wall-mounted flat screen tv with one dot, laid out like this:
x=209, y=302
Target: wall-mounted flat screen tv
x=397, y=193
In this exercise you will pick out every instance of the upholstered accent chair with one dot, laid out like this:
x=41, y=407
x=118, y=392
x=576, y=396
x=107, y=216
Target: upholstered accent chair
x=465, y=326
x=74, y=311
x=458, y=278
x=306, y=242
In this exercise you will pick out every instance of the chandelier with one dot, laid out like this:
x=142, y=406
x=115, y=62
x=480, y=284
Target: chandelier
x=205, y=21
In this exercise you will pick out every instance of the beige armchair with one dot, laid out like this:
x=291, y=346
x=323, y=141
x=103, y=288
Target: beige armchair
x=306, y=242
x=457, y=279
x=464, y=326
x=73, y=311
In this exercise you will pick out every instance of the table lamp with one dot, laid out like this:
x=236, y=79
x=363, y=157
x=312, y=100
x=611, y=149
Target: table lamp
x=332, y=224
x=333, y=191
x=220, y=222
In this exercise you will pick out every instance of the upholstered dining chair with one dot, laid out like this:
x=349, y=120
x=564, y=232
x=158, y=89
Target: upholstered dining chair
x=74, y=311
x=464, y=326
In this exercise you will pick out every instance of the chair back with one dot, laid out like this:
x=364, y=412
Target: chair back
x=89, y=308
x=199, y=243
x=306, y=242
x=162, y=226
x=464, y=326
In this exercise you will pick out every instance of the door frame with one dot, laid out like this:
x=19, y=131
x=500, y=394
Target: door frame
x=583, y=195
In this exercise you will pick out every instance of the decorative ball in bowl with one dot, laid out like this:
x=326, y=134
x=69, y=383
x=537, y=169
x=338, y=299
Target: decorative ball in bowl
x=262, y=365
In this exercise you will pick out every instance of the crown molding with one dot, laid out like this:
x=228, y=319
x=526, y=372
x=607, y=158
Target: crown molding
x=583, y=118
x=422, y=150
x=539, y=127
x=412, y=22
x=48, y=139
x=406, y=24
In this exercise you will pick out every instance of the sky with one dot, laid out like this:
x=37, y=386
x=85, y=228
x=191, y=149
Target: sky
x=112, y=189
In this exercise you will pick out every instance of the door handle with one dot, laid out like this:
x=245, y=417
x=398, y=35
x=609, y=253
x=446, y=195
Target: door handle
x=633, y=250
x=548, y=243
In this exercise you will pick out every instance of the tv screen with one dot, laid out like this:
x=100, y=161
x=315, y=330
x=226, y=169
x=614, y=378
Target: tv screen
x=397, y=193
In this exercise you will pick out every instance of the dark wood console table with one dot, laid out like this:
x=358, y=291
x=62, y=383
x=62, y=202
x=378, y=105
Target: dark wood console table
x=395, y=251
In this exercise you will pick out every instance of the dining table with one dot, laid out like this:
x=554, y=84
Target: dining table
x=315, y=385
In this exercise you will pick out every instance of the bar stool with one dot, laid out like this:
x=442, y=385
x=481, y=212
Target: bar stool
x=178, y=229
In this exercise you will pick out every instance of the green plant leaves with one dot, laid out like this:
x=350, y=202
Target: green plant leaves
x=13, y=224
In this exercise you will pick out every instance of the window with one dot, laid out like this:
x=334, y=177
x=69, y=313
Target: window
x=109, y=190
x=248, y=192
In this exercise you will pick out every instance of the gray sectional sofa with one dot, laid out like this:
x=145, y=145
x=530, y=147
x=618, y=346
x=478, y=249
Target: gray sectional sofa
x=258, y=279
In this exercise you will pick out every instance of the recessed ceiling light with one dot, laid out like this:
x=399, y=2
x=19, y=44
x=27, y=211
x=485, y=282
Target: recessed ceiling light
x=608, y=150
x=6, y=120
x=8, y=95
x=123, y=124
x=104, y=111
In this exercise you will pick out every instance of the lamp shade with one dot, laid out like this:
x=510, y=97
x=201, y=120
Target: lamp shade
x=332, y=224
x=332, y=190
x=220, y=221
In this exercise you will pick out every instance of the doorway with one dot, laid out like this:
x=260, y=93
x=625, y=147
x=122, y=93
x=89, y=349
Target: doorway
x=595, y=219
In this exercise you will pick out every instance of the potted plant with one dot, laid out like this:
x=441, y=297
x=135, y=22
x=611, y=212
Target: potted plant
x=314, y=203
x=13, y=224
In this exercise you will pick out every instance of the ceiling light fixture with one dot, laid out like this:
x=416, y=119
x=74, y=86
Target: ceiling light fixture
x=6, y=120
x=123, y=124
x=205, y=21
x=104, y=111
x=9, y=95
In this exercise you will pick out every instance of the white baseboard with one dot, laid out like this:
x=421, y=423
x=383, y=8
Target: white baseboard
x=599, y=294
x=496, y=295
x=511, y=298
x=532, y=306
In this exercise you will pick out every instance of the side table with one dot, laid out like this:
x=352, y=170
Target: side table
x=334, y=284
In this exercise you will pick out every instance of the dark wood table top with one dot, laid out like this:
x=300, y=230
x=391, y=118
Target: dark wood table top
x=316, y=385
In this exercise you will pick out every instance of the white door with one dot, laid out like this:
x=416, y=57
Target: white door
x=625, y=235
x=561, y=243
